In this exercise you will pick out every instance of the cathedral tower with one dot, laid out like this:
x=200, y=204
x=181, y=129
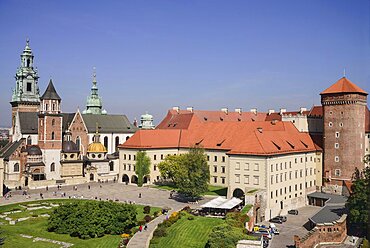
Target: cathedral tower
x=344, y=108
x=94, y=102
x=26, y=95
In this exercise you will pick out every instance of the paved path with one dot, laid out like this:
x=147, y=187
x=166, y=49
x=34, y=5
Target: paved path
x=112, y=191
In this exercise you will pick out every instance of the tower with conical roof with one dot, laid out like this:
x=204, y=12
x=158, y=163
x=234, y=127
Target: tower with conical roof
x=344, y=109
x=94, y=102
x=26, y=95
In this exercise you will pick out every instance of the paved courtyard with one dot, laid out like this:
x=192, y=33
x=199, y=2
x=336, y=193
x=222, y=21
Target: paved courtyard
x=293, y=226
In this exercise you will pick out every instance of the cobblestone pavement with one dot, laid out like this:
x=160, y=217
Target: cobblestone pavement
x=112, y=191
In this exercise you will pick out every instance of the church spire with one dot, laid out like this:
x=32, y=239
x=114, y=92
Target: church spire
x=94, y=102
x=26, y=89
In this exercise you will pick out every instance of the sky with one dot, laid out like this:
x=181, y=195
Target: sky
x=153, y=55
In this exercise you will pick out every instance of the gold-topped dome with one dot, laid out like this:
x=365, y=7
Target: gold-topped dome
x=96, y=147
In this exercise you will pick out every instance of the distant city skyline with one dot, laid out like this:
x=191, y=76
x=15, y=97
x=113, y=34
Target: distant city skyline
x=153, y=55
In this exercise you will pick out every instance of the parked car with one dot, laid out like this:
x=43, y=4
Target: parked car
x=266, y=233
x=293, y=211
x=283, y=218
x=276, y=220
x=274, y=230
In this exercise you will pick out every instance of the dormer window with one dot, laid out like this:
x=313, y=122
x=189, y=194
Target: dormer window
x=29, y=87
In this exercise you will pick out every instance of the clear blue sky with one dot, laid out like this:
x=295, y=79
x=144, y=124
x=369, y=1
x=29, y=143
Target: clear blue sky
x=152, y=55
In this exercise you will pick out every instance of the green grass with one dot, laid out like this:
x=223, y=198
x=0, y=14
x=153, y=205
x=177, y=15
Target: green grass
x=37, y=227
x=212, y=190
x=188, y=233
x=246, y=208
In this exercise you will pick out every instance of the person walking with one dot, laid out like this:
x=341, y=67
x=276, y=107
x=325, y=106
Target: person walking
x=140, y=228
x=41, y=196
x=88, y=186
x=139, y=195
x=145, y=227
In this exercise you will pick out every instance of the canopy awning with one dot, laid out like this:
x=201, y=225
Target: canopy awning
x=222, y=203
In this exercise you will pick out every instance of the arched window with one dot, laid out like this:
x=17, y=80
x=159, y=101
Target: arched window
x=117, y=142
x=28, y=62
x=106, y=142
x=78, y=142
x=52, y=167
x=16, y=167
x=53, y=106
x=29, y=140
x=111, y=166
x=52, y=135
x=53, y=120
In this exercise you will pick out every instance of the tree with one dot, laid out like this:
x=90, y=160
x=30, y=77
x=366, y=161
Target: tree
x=189, y=172
x=359, y=200
x=142, y=168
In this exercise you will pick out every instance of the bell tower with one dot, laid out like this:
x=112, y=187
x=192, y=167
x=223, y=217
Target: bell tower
x=26, y=94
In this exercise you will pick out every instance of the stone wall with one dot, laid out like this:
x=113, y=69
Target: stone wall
x=335, y=232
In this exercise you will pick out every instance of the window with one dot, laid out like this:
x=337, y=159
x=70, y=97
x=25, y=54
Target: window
x=52, y=135
x=272, y=179
x=223, y=169
x=256, y=167
x=246, y=179
x=295, y=160
x=301, y=160
x=52, y=167
x=246, y=166
x=256, y=180
x=161, y=156
x=223, y=159
x=117, y=142
x=215, y=168
x=53, y=107
x=277, y=167
x=330, y=124
x=290, y=175
x=215, y=179
x=207, y=157
x=29, y=140
x=16, y=167
x=290, y=189
x=222, y=180
x=53, y=122
x=111, y=166
x=337, y=134
x=155, y=167
x=296, y=174
x=331, y=112
x=285, y=166
x=272, y=195
x=106, y=142
x=215, y=159
x=272, y=168
x=46, y=107
x=290, y=164
x=134, y=157
x=124, y=167
x=78, y=143
x=237, y=178
x=341, y=124
x=155, y=157
x=129, y=157
x=336, y=158
x=336, y=145
x=276, y=178
x=301, y=173
x=237, y=166
x=29, y=87
x=281, y=166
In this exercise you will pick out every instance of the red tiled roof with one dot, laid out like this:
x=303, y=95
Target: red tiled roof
x=183, y=119
x=316, y=111
x=254, y=138
x=343, y=85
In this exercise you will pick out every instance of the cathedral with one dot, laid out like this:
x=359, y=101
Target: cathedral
x=50, y=147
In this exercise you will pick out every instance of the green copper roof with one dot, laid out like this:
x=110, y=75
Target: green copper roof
x=94, y=103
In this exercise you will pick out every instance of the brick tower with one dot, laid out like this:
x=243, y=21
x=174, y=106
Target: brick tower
x=344, y=108
x=50, y=130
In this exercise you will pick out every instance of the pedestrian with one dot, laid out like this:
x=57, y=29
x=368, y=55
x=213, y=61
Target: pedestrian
x=88, y=186
x=145, y=227
x=101, y=186
x=140, y=228
x=139, y=195
x=47, y=188
x=41, y=196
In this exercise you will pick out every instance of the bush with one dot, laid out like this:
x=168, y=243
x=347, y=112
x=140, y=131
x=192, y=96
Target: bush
x=160, y=232
x=147, y=218
x=157, y=213
x=146, y=210
x=35, y=215
x=141, y=222
x=90, y=219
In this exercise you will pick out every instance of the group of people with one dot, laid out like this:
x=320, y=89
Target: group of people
x=141, y=228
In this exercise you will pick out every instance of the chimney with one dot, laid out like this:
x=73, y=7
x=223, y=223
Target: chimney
x=238, y=110
x=254, y=111
x=225, y=110
x=282, y=110
x=260, y=129
x=190, y=109
x=271, y=111
x=301, y=110
x=177, y=109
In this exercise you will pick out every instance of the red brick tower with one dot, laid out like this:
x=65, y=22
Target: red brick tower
x=344, y=105
x=50, y=120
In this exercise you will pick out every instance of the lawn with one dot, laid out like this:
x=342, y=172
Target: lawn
x=188, y=233
x=212, y=190
x=37, y=227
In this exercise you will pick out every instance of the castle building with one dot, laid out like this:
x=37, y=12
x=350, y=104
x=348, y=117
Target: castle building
x=47, y=146
x=344, y=114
